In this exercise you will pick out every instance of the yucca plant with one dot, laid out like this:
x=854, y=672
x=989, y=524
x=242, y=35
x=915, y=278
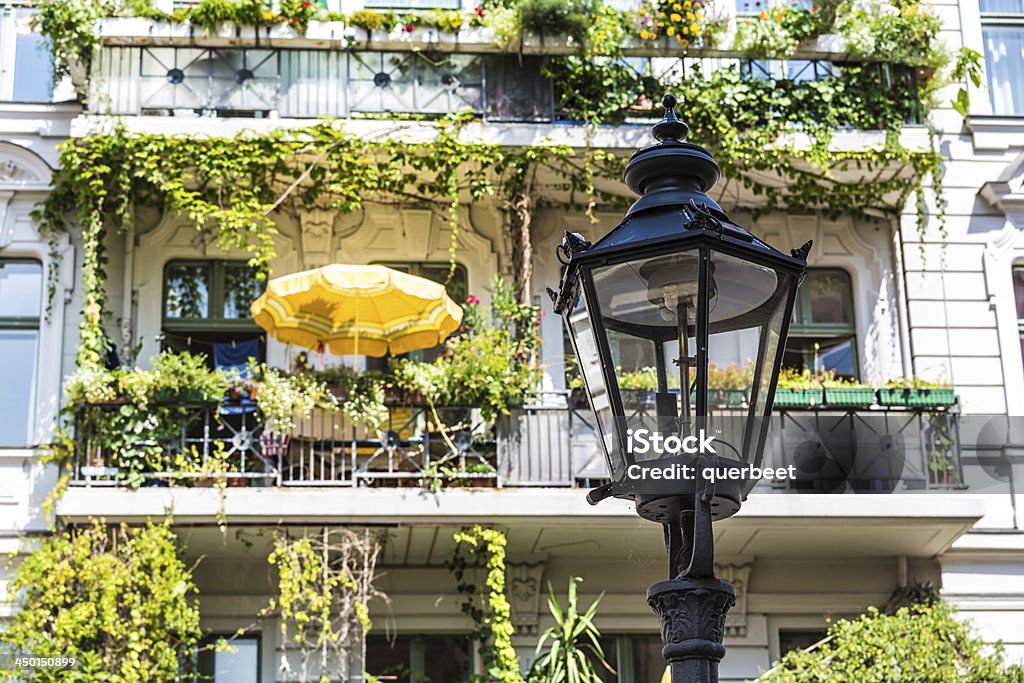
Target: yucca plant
x=572, y=645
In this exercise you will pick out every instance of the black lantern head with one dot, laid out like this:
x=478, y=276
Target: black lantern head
x=679, y=318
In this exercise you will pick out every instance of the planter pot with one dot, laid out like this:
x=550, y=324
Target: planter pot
x=919, y=398
x=849, y=397
x=798, y=398
x=238, y=482
x=830, y=42
x=727, y=398
x=637, y=398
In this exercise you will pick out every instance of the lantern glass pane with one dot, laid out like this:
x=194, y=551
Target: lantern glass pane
x=743, y=351
x=585, y=346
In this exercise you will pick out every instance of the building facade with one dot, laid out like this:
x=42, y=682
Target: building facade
x=883, y=300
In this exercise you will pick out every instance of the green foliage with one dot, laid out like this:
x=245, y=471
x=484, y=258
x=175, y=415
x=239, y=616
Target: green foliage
x=555, y=17
x=325, y=582
x=211, y=14
x=491, y=613
x=70, y=26
x=118, y=600
x=916, y=644
x=572, y=643
x=966, y=67
x=284, y=397
x=298, y=13
x=490, y=364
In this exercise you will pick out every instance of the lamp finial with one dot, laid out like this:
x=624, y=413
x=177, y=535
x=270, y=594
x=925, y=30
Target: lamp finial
x=670, y=127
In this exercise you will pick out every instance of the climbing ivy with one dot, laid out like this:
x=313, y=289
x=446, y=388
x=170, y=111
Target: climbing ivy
x=325, y=580
x=491, y=612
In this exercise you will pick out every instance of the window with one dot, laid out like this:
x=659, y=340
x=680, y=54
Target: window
x=207, y=303
x=1002, y=23
x=21, y=298
x=458, y=290
x=240, y=665
x=822, y=333
x=408, y=659
x=25, y=68
x=633, y=659
x=798, y=639
x=1018, y=295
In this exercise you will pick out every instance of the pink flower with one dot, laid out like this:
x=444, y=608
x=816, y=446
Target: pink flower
x=472, y=300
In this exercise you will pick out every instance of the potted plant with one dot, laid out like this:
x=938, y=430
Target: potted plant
x=185, y=378
x=916, y=392
x=798, y=389
x=843, y=392
x=728, y=386
x=638, y=386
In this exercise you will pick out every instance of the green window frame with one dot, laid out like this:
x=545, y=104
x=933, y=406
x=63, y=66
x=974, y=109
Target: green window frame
x=436, y=271
x=824, y=324
x=196, y=294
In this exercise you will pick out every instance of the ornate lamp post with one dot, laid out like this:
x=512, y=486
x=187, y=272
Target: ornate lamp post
x=674, y=284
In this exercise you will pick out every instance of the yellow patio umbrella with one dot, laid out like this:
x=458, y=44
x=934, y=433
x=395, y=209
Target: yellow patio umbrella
x=355, y=310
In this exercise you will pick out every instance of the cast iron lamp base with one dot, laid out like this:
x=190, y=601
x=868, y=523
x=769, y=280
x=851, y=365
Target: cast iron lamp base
x=692, y=615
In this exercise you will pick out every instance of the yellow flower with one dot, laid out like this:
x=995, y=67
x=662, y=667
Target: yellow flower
x=677, y=7
x=671, y=30
x=645, y=35
x=694, y=29
x=675, y=17
x=689, y=16
x=686, y=30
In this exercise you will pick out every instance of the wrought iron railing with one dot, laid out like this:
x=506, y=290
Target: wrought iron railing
x=548, y=441
x=309, y=83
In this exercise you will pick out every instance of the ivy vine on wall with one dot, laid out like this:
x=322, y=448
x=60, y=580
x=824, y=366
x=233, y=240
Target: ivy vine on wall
x=490, y=610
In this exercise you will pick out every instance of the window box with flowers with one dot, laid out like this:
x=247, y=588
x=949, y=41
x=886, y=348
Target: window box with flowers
x=846, y=393
x=798, y=389
x=917, y=393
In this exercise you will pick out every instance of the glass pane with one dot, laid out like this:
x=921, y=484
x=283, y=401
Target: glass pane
x=593, y=377
x=385, y=657
x=240, y=666
x=1001, y=6
x=825, y=298
x=648, y=661
x=1018, y=291
x=21, y=289
x=819, y=354
x=17, y=385
x=1004, y=61
x=241, y=288
x=187, y=291
x=446, y=658
x=33, y=70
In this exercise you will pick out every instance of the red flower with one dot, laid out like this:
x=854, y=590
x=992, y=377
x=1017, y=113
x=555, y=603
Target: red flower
x=479, y=11
x=408, y=28
x=472, y=300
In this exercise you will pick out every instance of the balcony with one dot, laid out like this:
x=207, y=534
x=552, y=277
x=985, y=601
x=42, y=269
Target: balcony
x=274, y=82
x=548, y=442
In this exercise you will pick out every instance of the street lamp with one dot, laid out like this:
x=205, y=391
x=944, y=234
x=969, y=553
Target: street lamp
x=675, y=286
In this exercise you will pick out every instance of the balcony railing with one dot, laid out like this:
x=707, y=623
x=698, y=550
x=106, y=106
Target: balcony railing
x=549, y=441
x=308, y=83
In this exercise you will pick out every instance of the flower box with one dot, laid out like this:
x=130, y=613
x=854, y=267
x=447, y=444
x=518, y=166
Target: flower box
x=849, y=397
x=727, y=398
x=924, y=397
x=797, y=398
